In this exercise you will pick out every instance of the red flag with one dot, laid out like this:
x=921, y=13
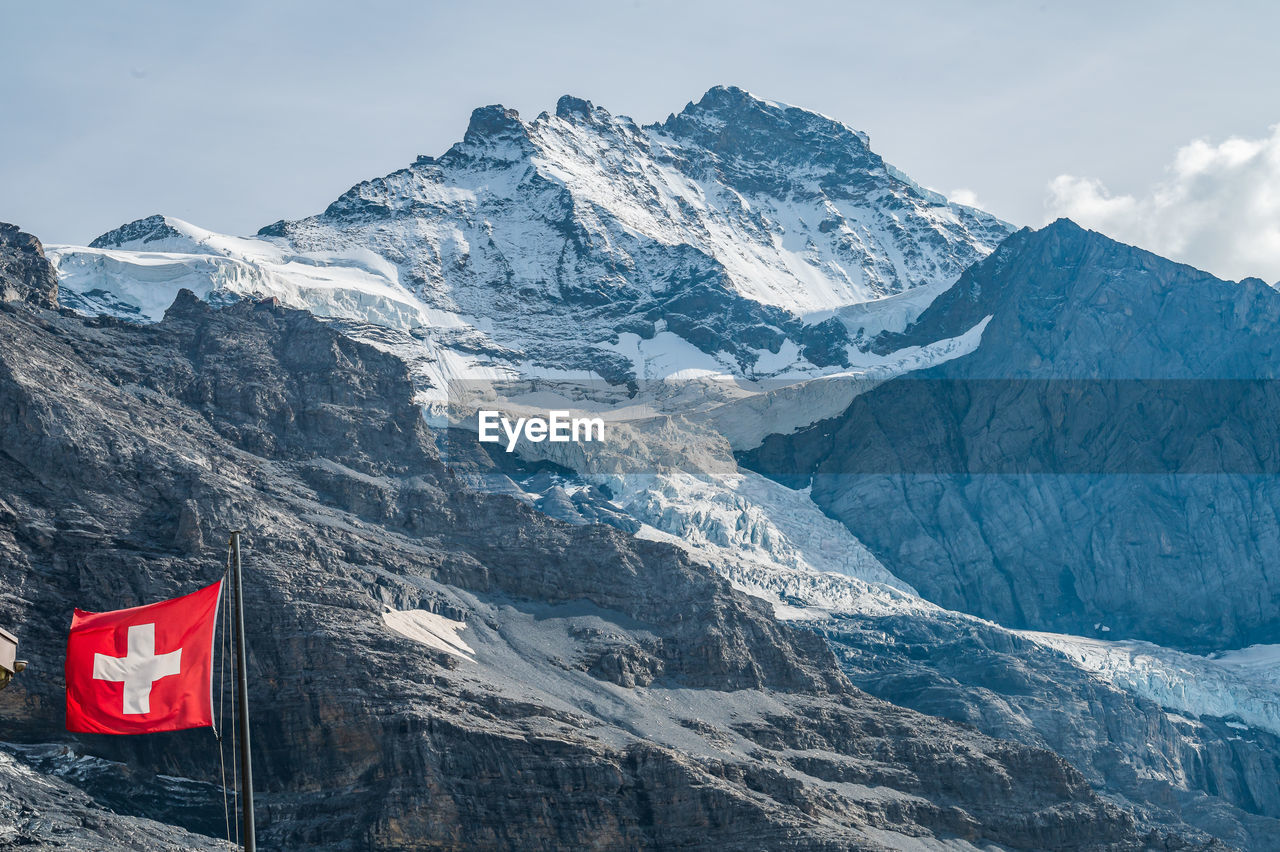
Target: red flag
x=145, y=669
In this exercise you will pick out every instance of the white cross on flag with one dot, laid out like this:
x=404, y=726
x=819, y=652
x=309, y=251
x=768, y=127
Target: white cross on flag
x=145, y=669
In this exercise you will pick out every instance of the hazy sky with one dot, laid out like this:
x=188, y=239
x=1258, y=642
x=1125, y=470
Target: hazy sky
x=235, y=114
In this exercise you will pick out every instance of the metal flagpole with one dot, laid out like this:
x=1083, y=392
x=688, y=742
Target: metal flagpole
x=242, y=681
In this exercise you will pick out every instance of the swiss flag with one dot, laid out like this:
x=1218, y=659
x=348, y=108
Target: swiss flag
x=145, y=669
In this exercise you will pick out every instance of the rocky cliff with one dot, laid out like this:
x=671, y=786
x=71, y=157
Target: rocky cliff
x=432, y=667
x=25, y=273
x=1101, y=464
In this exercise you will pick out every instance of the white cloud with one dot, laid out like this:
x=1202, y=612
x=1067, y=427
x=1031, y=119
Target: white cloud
x=1218, y=208
x=967, y=197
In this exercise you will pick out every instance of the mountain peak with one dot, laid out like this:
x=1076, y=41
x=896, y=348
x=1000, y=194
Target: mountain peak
x=495, y=133
x=570, y=107
x=731, y=122
x=148, y=229
x=728, y=98
x=187, y=305
x=1067, y=302
x=1063, y=232
x=740, y=226
x=494, y=121
x=1062, y=223
x=1063, y=241
x=724, y=105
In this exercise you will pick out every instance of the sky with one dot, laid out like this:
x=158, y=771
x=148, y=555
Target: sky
x=1151, y=121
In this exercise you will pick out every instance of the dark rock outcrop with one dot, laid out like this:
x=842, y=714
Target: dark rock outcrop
x=46, y=809
x=25, y=273
x=150, y=229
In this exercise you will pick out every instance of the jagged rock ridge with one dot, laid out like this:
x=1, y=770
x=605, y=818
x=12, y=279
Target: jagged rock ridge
x=1103, y=463
x=738, y=225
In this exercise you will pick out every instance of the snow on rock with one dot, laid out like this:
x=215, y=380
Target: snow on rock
x=781, y=406
x=772, y=542
x=139, y=278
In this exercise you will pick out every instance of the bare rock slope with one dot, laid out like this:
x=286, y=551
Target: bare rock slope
x=432, y=667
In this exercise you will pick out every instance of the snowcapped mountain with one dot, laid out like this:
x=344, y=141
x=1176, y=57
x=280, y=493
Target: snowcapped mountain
x=740, y=239
x=738, y=228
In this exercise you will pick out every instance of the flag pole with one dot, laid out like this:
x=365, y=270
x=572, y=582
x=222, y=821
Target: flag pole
x=242, y=681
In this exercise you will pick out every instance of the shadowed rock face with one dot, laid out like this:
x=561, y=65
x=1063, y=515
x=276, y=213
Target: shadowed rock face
x=1106, y=458
x=25, y=274
x=614, y=695
x=1067, y=303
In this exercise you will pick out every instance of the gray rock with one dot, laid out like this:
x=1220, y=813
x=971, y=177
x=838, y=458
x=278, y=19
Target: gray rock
x=189, y=536
x=25, y=274
x=148, y=230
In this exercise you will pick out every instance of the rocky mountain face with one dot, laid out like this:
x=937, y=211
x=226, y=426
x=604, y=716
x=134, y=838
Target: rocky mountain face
x=735, y=228
x=1067, y=303
x=1101, y=464
x=433, y=667
x=1174, y=767
x=25, y=273
x=1175, y=736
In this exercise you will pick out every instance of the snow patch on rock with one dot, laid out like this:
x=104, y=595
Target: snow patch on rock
x=432, y=630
